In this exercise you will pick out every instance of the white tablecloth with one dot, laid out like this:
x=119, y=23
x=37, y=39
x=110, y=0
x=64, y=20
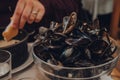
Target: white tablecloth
x=30, y=72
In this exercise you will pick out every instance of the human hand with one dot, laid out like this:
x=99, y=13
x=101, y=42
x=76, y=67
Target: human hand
x=27, y=11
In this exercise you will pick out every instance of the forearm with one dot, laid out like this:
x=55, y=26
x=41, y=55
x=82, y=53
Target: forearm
x=115, y=19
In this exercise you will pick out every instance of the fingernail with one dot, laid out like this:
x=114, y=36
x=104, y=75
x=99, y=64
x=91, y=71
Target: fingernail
x=30, y=22
x=37, y=21
x=21, y=26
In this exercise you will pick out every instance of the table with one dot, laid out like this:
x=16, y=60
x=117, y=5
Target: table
x=29, y=72
x=34, y=73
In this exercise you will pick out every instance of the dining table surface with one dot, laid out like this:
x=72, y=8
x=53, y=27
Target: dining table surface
x=31, y=72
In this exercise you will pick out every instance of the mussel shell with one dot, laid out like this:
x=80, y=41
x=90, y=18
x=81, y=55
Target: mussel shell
x=70, y=55
x=57, y=39
x=98, y=47
x=78, y=38
x=81, y=42
x=100, y=51
x=42, y=52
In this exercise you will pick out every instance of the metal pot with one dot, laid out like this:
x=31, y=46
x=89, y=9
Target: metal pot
x=18, y=50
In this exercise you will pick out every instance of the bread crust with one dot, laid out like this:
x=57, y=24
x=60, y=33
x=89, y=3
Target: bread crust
x=9, y=33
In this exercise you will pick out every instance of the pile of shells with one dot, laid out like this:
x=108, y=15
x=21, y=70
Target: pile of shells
x=69, y=44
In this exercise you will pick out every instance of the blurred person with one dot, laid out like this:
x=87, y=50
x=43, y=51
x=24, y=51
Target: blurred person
x=30, y=11
x=115, y=21
x=101, y=9
x=115, y=33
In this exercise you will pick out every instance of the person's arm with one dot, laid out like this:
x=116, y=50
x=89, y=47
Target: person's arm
x=114, y=28
x=27, y=11
x=55, y=10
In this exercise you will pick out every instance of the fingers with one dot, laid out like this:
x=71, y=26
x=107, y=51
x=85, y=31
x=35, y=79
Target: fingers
x=32, y=15
x=37, y=12
x=18, y=12
x=27, y=11
x=25, y=15
x=40, y=14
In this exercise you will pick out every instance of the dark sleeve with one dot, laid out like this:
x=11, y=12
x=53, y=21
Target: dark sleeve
x=47, y=5
x=57, y=9
x=6, y=11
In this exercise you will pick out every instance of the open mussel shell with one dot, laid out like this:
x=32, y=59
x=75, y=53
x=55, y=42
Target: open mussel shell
x=82, y=42
x=78, y=38
x=100, y=51
x=57, y=39
x=70, y=55
x=98, y=47
x=42, y=52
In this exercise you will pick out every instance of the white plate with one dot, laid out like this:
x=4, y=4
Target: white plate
x=28, y=62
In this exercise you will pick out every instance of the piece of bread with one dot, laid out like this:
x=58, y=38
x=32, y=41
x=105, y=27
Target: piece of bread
x=9, y=33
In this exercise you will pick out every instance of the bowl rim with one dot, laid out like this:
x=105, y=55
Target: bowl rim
x=70, y=78
x=9, y=58
x=75, y=68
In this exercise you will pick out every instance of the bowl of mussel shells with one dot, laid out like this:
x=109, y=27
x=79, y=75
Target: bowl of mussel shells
x=68, y=51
